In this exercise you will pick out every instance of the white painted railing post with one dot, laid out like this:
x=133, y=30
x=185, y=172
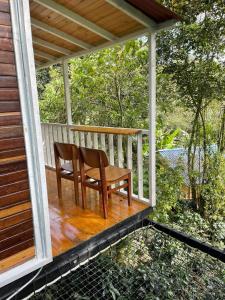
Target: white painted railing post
x=67, y=96
x=152, y=118
x=140, y=165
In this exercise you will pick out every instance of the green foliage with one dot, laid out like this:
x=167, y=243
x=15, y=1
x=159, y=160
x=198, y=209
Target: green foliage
x=146, y=265
x=52, y=105
x=169, y=184
x=108, y=85
x=213, y=190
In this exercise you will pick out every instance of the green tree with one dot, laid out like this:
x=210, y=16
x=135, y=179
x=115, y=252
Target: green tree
x=194, y=54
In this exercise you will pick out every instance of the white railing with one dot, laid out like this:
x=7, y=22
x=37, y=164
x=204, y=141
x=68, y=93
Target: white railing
x=124, y=147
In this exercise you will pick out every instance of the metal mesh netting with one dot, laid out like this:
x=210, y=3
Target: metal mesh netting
x=147, y=264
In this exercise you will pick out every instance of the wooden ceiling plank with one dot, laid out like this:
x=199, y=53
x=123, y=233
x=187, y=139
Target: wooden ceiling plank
x=134, y=13
x=62, y=35
x=51, y=46
x=74, y=17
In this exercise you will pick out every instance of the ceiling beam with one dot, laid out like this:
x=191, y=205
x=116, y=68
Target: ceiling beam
x=60, y=34
x=44, y=55
x=51, y=46
x=134, y=13
x=74, y=17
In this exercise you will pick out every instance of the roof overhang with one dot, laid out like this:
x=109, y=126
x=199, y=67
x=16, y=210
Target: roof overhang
x=63, y=29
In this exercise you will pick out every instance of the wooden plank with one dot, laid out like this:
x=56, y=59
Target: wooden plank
x=5, y=32
x=5, y=19
x=6, y=44
x=7, y=69
x=14, y=187
x=16, y=229
x=11, y=118
x=12, y=153
x=4, y=6
x=9, y=106
x=13, y=177
x=15, y=210
x=20, y=257
x=15, y=219
x=12, y=199
x=17, y=248
x=12, y=143
x=13, y=166
x=7, y=57
x=16, y=239
x=99, y=129
x=8, y=81
x=11, y=132
x=7, y=94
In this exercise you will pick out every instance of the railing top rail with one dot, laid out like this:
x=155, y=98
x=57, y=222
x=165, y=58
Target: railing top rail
x=107, y=130
x=102, y=129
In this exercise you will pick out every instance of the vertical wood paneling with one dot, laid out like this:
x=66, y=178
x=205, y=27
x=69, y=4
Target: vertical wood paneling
x=15, y=204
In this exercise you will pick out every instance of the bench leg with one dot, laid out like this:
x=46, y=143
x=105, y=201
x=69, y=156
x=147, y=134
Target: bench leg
x=129, y=196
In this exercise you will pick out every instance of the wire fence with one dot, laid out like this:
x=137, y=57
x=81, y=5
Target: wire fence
x=146, y=264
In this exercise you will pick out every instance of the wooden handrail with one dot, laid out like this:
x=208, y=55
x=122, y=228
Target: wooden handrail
x=107, y=130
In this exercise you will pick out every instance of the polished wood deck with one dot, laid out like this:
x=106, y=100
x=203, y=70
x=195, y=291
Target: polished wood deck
x=71, y=225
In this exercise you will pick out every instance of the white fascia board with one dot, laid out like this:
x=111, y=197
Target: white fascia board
x=60, y=34
x=74, y=17
x=51, y=46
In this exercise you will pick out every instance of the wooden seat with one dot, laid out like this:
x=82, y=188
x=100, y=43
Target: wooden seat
x=68, y=152
x=101, y=176
x=112, y=174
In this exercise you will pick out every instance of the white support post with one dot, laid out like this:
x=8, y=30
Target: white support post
x=152, y=119
x=67, y=97
x=67, y=92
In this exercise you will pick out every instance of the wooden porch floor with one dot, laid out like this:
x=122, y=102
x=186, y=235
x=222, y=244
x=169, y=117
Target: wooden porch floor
x=71, y=225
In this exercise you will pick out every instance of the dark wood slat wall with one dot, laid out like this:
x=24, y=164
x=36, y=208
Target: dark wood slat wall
x=16, y=227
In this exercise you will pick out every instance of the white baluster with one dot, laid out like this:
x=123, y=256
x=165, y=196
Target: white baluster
x=120, y=151
x=140, y=165
x=103, y=147
x=111, y=150
x=95, y=137
x=89, y=141
x=82, y=139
